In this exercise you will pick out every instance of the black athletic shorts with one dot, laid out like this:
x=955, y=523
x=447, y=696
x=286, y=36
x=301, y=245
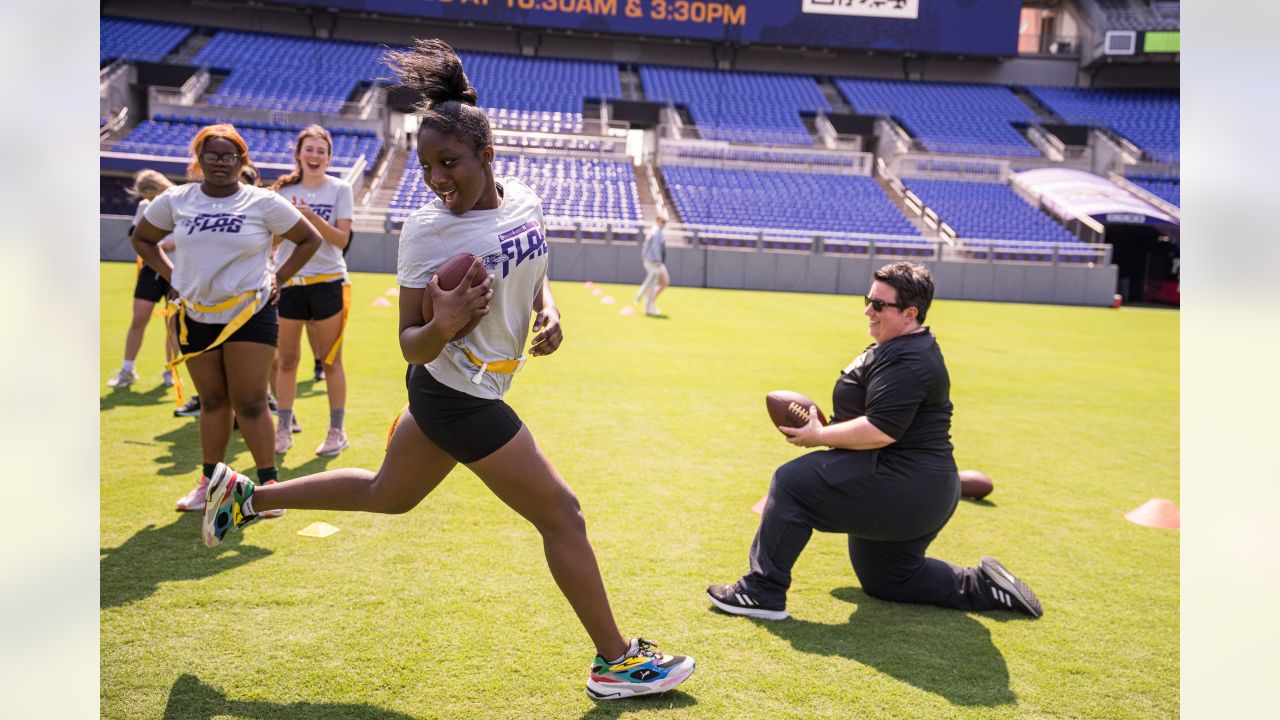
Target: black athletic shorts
x=311, y=302
x=263, y=327
x=466, y=427
x=150, y=286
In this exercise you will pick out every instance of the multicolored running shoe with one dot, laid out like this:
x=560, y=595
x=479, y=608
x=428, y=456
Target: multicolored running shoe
x=228, y=490
x=642, y=671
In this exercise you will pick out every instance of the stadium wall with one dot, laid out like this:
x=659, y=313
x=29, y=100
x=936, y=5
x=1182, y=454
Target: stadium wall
x=739, y=270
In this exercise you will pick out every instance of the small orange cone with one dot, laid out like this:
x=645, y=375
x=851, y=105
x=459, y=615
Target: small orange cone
x=392, y=292
x=628, y=310
x=758, y=508
x=588, y=284
x=381, y=302
x=596, y=291
x=607, y=300
x=1156, y=513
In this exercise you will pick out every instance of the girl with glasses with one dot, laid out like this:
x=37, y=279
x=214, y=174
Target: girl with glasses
x=227, y=326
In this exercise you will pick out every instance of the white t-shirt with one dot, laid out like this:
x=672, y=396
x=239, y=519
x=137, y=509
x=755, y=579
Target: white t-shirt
x=331, y=201
x=510, y=240
x=222, y=243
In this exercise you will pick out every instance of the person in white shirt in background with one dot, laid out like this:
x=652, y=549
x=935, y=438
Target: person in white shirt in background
x=149, y=288
x=319, y=296
x=654, y=255
x=227, y=319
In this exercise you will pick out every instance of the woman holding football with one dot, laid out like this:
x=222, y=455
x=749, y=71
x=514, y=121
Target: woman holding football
x=456, y=411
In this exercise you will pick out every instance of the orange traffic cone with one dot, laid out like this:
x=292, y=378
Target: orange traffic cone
x=1156, y=513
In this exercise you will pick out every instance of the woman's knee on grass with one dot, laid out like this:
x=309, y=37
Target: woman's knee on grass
x=288, y=358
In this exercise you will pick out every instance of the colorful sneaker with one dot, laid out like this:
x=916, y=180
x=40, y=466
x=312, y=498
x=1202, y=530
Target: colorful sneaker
x=642, y=671
x=334, y=442
x=735, y=600
x=294, y=425
x=319, y=374
x=284, y=438
x=1007, y=590
x=194, y=500
x=227, y=493
x=166, y=377
x=122, y=378
x=191, y=409
x=270, y=514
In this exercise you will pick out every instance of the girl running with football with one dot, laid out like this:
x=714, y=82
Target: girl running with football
x=456, y=412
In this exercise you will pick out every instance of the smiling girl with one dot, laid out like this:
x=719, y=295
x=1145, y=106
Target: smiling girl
x=319, y=296
x=456, y=411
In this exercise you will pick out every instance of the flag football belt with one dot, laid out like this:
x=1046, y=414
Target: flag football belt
x=296, y=281
x=227, y=331
x=501, y=367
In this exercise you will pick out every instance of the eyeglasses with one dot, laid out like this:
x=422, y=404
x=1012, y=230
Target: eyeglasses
x=213, y=158
x=880, y=305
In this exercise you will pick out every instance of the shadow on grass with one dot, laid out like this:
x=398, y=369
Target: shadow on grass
x=940, y=651
x=129, y=397
x=980, y=502
x=669, y=700
x=191, y=699
x=171, y=553
x=182, y=454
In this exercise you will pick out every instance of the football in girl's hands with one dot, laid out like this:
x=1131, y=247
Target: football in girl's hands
x=455, y=269
x=449, y=276
x=790, y=408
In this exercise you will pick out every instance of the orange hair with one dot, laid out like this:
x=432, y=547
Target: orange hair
x=222, y=130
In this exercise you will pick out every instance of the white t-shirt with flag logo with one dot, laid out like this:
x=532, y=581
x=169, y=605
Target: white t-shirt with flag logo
x=510, y=240
x=221, y=243
x=331, y=201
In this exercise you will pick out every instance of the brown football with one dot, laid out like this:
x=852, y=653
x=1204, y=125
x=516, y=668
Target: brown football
x=450, y=275
x=790, y=408
x=975, y=484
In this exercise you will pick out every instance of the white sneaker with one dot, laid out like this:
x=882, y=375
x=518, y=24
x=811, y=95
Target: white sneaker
x=284, y=438
x=166, y=377
x=652, y=309
x=334, y=442
x=194, y=500
x=123, y=378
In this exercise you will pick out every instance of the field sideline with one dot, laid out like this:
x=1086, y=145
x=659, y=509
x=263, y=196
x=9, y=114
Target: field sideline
x=659, y=425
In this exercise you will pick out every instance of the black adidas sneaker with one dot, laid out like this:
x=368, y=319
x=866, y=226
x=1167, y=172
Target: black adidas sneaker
x=1007, y=590
x=735, y=600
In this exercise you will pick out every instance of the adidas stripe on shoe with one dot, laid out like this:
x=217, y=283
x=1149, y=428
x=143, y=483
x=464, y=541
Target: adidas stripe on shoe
x=734, y=600
x=1007, y=590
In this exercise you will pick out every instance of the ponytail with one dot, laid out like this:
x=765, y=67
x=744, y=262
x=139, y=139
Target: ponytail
x=449, y=101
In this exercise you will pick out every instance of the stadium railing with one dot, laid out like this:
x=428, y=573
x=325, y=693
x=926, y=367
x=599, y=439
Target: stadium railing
x=722, y=154
x=1167, y=207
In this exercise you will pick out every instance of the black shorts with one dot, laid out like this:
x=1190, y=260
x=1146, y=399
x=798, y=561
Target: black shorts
x=466, y=427
x=263, y=327
x=311, y=302
x=150, y=286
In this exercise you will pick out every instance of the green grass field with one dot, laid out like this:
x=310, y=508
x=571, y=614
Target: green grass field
x=659, y=425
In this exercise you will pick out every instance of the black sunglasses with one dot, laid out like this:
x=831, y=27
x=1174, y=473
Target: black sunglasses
x=880, y=305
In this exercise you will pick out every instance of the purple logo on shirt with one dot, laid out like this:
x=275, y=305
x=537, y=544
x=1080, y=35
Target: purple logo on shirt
x=324, y=211
x=214, y=222
x=516, y=246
